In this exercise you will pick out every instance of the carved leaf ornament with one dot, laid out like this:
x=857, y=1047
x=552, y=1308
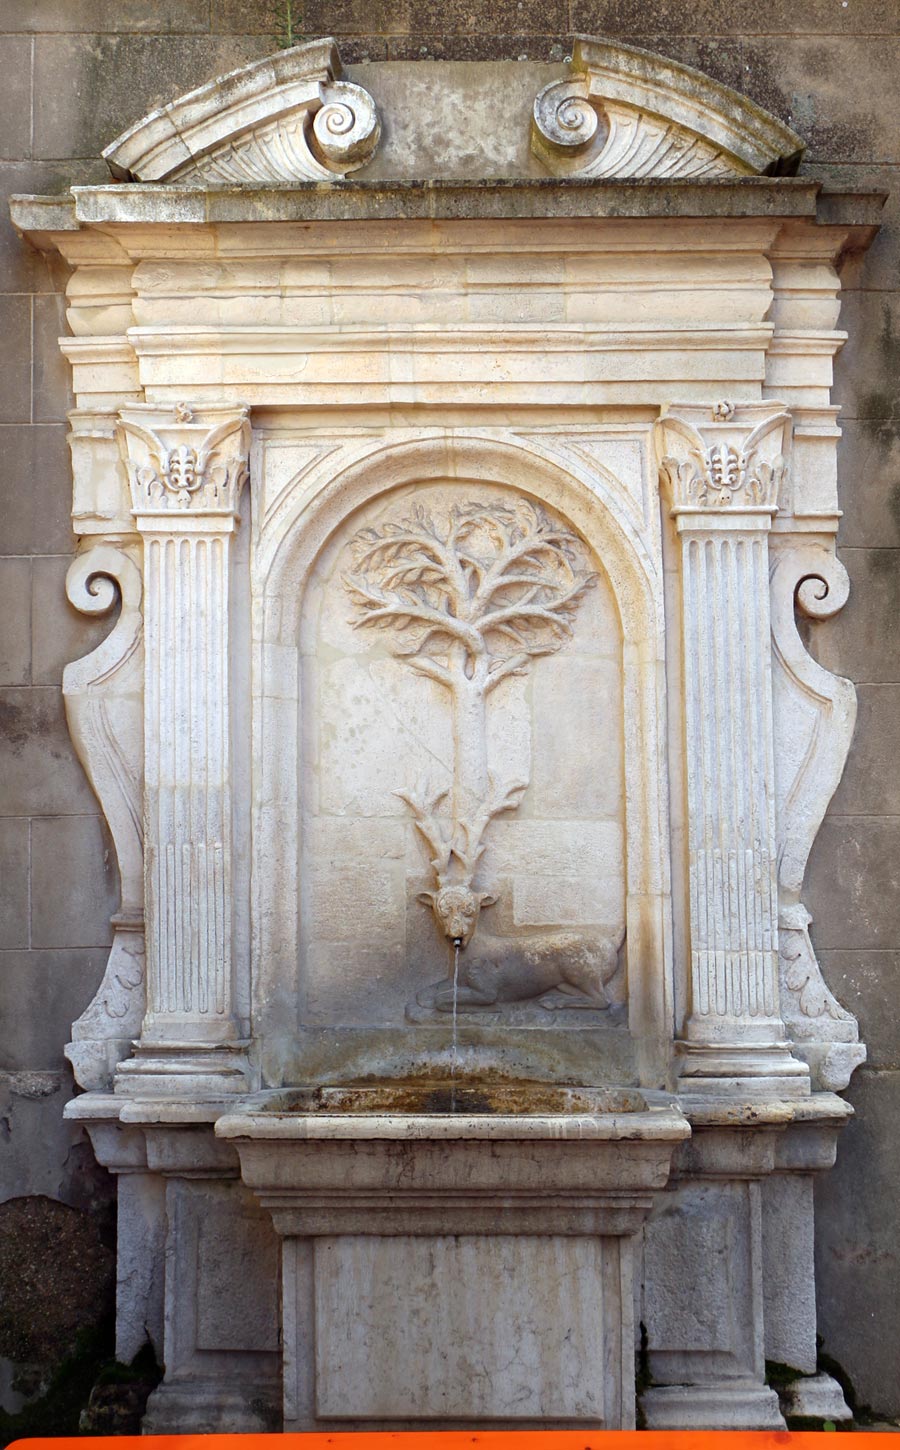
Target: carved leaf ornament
x=170, y=474
x=722, y=476
x=499, y=585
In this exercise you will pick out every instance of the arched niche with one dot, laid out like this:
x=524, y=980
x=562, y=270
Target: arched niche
x=300, y=545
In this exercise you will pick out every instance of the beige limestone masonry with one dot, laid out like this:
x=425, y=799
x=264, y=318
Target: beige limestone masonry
x=396, y=386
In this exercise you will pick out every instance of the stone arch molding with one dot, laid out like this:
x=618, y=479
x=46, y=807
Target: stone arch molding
x=625, y=113
x=592, y=503
x=289, y=117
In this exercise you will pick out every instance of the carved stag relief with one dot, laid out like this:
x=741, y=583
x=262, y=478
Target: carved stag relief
x=469, y=605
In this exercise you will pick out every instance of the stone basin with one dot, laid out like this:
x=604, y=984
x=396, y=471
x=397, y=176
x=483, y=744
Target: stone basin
x=418, y=1216
x=446, y=1109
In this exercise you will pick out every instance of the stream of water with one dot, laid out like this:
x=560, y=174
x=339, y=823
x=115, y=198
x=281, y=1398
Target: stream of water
x=454, y=1050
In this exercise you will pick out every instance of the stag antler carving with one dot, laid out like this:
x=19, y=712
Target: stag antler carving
x=468, y=605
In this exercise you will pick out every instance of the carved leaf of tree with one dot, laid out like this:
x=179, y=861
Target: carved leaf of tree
x=497, y=588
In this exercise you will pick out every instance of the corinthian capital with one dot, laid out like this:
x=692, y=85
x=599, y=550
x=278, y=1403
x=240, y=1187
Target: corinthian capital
x=724, y=458
x=185, y=459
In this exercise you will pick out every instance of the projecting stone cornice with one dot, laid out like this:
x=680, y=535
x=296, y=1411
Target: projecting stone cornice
x=627, y=113
x=41, y=218
x=286, y=118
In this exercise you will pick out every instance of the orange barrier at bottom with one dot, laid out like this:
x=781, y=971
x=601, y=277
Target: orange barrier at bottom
x=461, y=1440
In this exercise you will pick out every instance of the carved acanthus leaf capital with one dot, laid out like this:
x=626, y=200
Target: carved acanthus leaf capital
x=734, y=463
x=185, y=459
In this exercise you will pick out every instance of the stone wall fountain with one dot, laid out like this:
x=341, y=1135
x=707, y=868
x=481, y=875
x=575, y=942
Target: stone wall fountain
x=462, y=1034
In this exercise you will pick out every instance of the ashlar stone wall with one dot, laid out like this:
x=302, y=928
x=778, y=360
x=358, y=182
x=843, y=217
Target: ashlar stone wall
x=75, y=73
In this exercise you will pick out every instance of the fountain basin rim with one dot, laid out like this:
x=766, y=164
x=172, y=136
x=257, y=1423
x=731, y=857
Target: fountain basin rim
x=655, y=1124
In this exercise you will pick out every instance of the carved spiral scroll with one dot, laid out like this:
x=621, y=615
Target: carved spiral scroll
x=824, y=593
x=346, y=128
x=96, y=580
x=564, y=115
x=103, y=695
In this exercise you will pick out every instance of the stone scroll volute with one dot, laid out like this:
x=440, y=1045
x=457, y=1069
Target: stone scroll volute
x=103, y=694
x=814, y=715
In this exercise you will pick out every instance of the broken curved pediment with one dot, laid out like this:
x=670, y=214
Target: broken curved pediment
x=288, y=117
x=626, y=114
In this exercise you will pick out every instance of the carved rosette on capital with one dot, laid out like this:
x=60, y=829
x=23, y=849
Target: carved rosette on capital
x=722, y=467
x=186, y=469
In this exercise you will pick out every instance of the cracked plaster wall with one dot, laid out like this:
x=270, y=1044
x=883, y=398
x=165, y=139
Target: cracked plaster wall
x=76, y=72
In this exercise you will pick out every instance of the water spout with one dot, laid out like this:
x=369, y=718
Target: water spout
x=457, y=943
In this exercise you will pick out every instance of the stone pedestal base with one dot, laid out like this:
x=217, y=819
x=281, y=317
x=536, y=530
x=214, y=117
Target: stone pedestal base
x=815, y=1397
x=456, y=1270
x=711, y=1407
x=195, y=1408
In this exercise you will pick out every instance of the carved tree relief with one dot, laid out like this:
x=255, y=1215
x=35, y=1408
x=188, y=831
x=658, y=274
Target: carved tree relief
x=468, y=605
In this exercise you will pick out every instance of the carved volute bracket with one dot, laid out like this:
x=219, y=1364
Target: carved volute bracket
x=288, y=117
x=625, y=113
x=104, y=706
x=814, y=725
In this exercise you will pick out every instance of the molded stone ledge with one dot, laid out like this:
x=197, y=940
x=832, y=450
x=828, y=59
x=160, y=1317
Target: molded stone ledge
x=39, y=217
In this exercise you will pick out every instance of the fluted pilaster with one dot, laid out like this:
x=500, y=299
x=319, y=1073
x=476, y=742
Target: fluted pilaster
x=723, y=475
x=186, y=472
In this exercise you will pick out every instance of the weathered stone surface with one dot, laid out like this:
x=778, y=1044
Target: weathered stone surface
x=864, y=372
x=357, y=17
x=854, y=883
x=579, y=725
x=868, y=470
x=509, y=16
x=15, y=131
x=39, y=772
x=856, y=1249
x=15, y=364
x=442, y=129
x=71, y=901
x=35, y=490
x=413, y=1360
x=52, y=383
x=656, y=18
x=24, y=268
x=870, y=785
x=868, y=983
x=876, y=267
x=15, y=854
x=56, y=1276
x=94, y=17
x=114, y=79
x=31, y=1112
x=827, y=89
x=42, y=993
x=476, y=46
x=15, y=612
